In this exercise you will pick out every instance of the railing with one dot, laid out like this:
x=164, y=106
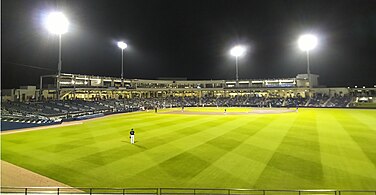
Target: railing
x=202, y=191
x=172, y=191
x=358, y=192
x=76, y=191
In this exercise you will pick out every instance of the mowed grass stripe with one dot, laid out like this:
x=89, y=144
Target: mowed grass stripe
x=81, y=151
x=232, y=145
x=118, y=132
x=145, y=142
x=77, y=131
x=199, y=161
x=345, y=167
x=192, y=162
x=368, y=113
x=240, y=151
x=123, y=125
x=297, y=157
x=126, y=116
x=46, y=163
x=223, y=173
x=367, y=117
x=103, y=159
x=92, y=151
x=360, y=133
x=176, y=130
x=113, y=131
x=246, y=163
x=118, y=124
x=157, y=155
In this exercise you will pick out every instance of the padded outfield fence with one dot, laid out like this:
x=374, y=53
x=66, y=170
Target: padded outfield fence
x=171, y=191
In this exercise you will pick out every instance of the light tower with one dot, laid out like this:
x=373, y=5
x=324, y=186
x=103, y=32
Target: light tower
x=57, y=23
x=237, y=51
x=306, y=43
x=122, y=46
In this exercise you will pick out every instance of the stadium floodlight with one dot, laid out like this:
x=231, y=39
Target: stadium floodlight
x=306, y=43
x=122, y=46
x=57, y=23
x=237, y=51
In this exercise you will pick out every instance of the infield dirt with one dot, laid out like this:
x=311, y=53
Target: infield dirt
x=15, y=176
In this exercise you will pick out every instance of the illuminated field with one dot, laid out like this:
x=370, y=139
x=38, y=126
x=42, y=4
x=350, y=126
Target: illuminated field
x=309, y=149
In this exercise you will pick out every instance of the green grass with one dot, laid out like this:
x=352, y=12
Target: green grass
x=311, y=149
x=215, y=109
x=366, y=105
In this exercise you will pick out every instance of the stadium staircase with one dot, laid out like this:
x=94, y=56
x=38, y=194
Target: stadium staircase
x=353, y=100
x=284, y=102
x=327, y=101
x=309, y=100
x=245, y=101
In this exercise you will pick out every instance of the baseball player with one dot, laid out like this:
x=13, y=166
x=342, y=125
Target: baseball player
x=131, y=133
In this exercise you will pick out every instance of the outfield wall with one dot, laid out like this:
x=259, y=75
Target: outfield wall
x=5, y=125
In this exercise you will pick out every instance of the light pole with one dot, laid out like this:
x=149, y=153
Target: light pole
x=237, y=51
x=306, y=43
x=58, y=24
x=122, y=46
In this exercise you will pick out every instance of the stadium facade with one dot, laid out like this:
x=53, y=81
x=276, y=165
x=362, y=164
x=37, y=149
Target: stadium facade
x=85, y=96
x=87, y=87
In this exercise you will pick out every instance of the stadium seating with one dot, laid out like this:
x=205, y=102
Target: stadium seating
x=318, y=100
x=339, y=101
x=65, y=109
x=295, y=101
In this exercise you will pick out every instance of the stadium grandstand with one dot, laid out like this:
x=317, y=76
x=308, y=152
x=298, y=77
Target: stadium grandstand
x=85, y=96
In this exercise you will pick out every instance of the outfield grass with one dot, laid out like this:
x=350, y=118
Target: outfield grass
x=311, y=149
x=366, y=105
x=213, y=109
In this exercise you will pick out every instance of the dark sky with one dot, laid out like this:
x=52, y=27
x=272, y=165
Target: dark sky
x=191, y=38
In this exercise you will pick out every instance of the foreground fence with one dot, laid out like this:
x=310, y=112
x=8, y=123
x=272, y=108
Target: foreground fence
x=171, y=191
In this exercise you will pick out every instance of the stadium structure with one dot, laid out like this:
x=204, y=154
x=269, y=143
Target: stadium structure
x=82, y=96
x=236, y=136
x=71, y=97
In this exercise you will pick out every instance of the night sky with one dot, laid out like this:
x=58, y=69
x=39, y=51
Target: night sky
x=191, y=39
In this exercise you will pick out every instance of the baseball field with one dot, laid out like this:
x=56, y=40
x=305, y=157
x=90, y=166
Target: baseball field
x=205, y=147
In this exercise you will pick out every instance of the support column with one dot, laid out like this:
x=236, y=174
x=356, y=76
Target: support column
x=40, y=88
